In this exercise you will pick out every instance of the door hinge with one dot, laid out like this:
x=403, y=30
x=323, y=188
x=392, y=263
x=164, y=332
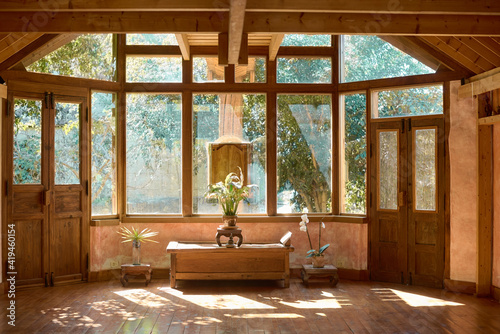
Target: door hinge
x=403, y=125
x=86, y=114
x=6, y=188
x=52, y=279
x=409, y=125
x=47, y=100
x=46, y=279
x=87, y=187
x=371, y=200
x=371, y=150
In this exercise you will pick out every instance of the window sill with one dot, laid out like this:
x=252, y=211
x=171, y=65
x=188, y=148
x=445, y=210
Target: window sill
x=243, y=219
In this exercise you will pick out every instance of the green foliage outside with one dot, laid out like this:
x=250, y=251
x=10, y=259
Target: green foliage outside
x=153, y=126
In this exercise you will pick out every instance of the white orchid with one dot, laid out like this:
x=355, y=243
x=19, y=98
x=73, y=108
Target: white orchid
x=303, y=228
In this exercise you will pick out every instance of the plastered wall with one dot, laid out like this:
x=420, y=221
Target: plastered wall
x=348, y=242
x=463, y=187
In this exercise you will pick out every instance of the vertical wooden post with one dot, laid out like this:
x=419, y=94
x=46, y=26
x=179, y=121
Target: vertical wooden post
x=484, y=210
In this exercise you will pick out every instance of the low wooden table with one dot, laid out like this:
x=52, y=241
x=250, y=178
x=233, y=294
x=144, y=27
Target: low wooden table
x=327, y=271
x=208, y=261
x=136, y=270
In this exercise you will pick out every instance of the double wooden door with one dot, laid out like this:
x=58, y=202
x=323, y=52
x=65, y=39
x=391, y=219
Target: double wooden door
x=47, y=186
x=407, y=201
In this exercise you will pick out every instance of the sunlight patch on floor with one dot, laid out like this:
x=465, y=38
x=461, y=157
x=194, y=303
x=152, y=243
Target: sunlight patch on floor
x=266, y=316
x=314, y=304
x=219, y=302
x=143, y=297
x=412, y=299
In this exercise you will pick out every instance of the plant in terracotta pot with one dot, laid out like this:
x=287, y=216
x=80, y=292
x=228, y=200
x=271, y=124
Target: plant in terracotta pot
x=136, y=237
x=317, y=256
x=229, y=193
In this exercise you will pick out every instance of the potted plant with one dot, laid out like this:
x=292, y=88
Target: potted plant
x=136, y=238
x=318, y=258
x=229, y=193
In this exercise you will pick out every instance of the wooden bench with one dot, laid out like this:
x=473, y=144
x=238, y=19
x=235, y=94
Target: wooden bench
x=208, y=261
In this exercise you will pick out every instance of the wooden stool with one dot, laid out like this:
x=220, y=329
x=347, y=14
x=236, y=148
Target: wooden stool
x=327, y=271
x=136, y=270
x=236, y=232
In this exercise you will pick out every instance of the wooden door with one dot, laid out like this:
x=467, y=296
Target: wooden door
x=407, y=201
x=46, y=181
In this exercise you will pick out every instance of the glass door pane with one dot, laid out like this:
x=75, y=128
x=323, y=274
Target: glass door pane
x=425, y=169
x=27, y=141
x=388, y=170
x=67, y=143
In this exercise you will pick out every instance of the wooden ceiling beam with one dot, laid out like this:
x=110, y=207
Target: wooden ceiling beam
x=477, y=7
x=28, y=49
x=191, y=22
x=183, y=41
x=235, y=31
x=14, y=43
x=274, y=46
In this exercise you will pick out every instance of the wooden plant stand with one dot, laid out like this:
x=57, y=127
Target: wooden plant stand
x=327, y=271
x=228, y=233
x=136, y=270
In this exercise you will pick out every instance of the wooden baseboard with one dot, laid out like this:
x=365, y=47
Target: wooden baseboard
x=112, y=274
x=460, y=286
x=495, y=292
x=350, y=274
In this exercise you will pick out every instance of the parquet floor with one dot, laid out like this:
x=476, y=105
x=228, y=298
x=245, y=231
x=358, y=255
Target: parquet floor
x=248, y=307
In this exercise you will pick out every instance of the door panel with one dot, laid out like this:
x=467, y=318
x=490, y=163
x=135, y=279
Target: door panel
x=407, y=218
x=46, y=187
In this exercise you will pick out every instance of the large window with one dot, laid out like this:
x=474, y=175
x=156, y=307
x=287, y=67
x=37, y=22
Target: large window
x=153, y=153
x=304, y=70
x=304, y=153
x=353, y=153
x=104, y=199
x=237, y=119
x=154, y=69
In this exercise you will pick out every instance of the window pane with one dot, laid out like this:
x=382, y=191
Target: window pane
x=304, y=153
x=353, y=165
x=67, y=143
x=151, y=39
x=408, y=102
x=88, y=56
x=304, y=70
x=154, y=69
x=154, y=153
x=425, y=169
x=255, y=71
x=229, y=118
x=27, y=141
x=306, y=40
x=207, y=69
x=103, y=153
x=388, y=170
x=369, y=57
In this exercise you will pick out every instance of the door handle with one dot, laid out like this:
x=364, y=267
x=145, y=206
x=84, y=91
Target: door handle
x=46, y=197
x=402, y=198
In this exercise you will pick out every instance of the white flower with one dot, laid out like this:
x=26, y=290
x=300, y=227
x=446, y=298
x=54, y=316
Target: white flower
x=303, y=228
x=322, y=225
x=304, y=218
x=302, y=224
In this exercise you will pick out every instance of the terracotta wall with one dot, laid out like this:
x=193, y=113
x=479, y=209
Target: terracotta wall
x=348, y=247
x=496, y=206
x=463, y=192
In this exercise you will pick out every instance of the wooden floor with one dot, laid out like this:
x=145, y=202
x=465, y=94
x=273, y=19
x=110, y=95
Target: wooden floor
x=252, y=307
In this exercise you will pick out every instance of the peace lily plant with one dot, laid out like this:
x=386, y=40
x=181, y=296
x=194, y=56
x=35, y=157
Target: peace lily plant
x=229, y=193
x=303, y=227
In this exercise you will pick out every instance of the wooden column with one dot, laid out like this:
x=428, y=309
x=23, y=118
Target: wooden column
x=484, y=210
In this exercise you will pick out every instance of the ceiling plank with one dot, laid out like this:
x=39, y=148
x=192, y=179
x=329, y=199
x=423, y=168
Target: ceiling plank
x=407, y=47
x=444, y=58
x=453, y=53
x=188, y=22
x=14, y=43
x=235, y=31
x=28, y=49
x=53, y=45
x=274, y=46
x=464, y=50
x=490, y=43
x=182, y=40
x=478, y=7
x=492, y=57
